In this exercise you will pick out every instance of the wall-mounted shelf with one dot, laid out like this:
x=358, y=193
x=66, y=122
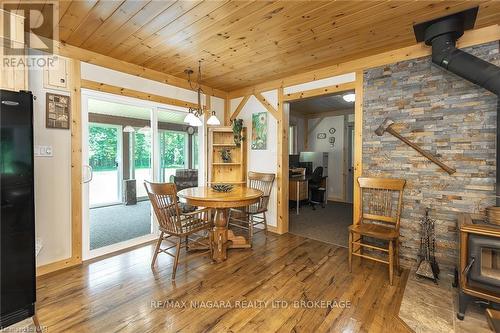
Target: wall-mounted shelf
x=220, y=172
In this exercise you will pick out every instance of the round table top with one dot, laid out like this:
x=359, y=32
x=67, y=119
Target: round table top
x=205, y=196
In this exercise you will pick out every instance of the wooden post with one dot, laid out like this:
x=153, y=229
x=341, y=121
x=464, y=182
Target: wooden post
x=282, y=172
x=227, y=112
x=76, y=162
x=358, y=145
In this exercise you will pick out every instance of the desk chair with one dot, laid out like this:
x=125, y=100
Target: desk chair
x=317, y=189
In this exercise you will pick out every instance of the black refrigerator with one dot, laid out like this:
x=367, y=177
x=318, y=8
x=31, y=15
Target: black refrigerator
x=17, y=219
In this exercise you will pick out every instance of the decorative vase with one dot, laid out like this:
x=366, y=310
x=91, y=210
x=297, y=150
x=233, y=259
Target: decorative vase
x=225, y=155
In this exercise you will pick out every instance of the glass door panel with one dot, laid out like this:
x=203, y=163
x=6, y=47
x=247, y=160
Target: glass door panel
x=173, y=153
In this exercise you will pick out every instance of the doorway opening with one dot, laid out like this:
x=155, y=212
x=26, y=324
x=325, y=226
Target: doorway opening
x=321, y=163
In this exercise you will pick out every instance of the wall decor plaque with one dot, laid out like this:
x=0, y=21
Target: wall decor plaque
x=57, y=111
x=321, y=136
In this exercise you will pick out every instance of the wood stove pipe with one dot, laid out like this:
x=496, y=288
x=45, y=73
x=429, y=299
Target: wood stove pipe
x=442, y=34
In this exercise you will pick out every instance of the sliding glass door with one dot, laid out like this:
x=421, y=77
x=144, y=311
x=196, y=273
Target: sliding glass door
x=125, y=143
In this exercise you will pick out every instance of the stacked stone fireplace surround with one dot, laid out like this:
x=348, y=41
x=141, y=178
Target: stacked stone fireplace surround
x=448, y=116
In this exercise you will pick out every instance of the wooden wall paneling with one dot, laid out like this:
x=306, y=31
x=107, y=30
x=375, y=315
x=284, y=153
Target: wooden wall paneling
x=282, y=174
x=240, y=107
x=358, y=145
x=470, y=38
x=107, y=88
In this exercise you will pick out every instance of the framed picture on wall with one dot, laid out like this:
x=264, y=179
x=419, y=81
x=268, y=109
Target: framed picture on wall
x=321, y=136
x=57, y=111
x=259, y=131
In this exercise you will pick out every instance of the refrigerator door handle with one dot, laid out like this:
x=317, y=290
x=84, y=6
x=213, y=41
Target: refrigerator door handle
x=90, y=172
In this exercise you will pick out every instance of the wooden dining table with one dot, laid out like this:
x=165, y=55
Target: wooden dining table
x=221, y=237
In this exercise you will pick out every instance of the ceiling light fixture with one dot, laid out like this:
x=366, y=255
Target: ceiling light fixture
x=350, y=97
x=213, y=120
x=195, y=114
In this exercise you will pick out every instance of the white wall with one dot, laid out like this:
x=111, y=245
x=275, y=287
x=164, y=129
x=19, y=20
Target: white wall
x=52, y=180
x=299, y=126
x=335, y=154
x=262, y=160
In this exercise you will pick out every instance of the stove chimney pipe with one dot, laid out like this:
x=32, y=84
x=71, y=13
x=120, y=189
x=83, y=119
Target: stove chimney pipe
x=442, y=34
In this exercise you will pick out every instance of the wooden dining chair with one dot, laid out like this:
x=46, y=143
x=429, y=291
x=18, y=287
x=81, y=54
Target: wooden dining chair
x=174, y=224
x=380, y=212
x=248, y=217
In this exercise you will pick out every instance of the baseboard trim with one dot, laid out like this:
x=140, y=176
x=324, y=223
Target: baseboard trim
x=57, y=266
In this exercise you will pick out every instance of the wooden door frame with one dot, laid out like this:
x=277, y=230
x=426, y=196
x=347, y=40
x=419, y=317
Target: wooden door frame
x=357, y=87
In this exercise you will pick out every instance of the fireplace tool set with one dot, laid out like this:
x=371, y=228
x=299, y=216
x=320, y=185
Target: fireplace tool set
x=427, y=266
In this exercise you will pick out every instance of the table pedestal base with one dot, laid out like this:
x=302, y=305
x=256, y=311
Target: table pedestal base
x=222, y=238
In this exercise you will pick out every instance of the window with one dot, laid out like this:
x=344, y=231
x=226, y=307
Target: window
x=195, y=151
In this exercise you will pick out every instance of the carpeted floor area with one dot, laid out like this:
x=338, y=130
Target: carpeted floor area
x=327, y=224
x=114, y=224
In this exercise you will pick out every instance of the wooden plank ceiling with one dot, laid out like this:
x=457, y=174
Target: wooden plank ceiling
x=247, y=42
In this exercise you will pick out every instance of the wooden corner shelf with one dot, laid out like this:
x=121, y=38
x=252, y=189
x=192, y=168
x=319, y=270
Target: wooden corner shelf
x=220, y=172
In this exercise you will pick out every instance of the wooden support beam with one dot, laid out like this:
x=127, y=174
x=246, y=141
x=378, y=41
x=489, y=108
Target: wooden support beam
x=282, y=172
x=358, y=146
x=76, y=161
x=240, y=107
x=470, y=38
x=320, y=91
x=107, y=88
x=227, y=112
x=328, y=114
x=267, y=105
x=94, y=58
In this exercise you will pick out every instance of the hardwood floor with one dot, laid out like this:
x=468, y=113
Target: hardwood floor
x=122, y=293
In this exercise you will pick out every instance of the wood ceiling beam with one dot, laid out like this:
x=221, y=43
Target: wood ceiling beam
x=110, y=89
x=320, y=91
x=240, y=107
x=470, y=38
x=267, y=105
x=94, y=58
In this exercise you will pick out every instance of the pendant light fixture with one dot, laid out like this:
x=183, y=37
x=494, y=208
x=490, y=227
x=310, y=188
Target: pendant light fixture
x=195, y=114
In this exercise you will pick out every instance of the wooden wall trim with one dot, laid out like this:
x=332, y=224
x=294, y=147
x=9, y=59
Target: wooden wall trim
x=227, y=112
x=107, y=88
x=470, y=38
x=320, y=91
x=240, y=107
x=275, y=113
x=358, y=145
x=94, y=58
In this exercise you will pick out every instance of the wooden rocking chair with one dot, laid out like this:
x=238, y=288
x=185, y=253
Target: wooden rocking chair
x=379, y=219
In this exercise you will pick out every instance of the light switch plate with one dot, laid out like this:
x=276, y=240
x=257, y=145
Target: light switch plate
x=43, y=151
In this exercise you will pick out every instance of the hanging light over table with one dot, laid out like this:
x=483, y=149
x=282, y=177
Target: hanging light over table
x=195, y=114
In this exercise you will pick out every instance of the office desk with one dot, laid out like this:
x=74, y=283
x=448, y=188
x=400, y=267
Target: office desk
x=298, y=188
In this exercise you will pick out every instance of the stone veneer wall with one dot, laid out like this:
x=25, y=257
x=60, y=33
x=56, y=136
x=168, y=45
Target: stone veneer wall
x=444, y=114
